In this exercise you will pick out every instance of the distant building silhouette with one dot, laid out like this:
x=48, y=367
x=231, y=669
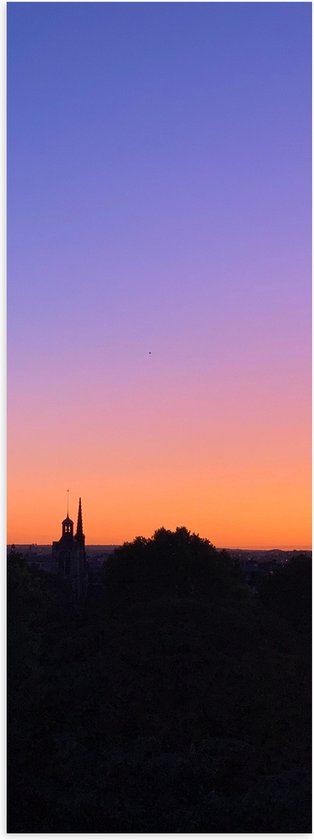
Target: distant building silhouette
x=68, y=554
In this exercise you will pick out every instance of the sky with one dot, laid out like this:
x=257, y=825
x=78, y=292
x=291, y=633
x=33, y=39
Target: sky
x=159, y=270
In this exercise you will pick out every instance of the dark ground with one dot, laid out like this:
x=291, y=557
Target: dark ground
x=173, y=700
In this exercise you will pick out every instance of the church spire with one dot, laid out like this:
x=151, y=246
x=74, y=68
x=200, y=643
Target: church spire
x=79, y=530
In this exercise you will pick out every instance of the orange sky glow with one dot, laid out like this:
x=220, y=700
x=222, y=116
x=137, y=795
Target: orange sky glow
x=232, y=471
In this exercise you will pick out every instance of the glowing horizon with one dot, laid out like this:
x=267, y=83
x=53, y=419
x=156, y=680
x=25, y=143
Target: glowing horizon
x=159, y=271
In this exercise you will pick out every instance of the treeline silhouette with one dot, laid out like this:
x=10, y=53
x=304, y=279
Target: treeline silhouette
x=176, y=700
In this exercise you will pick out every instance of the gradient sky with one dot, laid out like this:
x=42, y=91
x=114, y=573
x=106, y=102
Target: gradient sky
x=159, y=270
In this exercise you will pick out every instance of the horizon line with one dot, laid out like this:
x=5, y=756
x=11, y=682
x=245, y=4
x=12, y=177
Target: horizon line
x=271, y=547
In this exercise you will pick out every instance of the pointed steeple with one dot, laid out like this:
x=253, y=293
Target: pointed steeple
x=79, y=529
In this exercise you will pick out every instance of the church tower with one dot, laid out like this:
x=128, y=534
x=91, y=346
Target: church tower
x=68, y=554
x=79, y=536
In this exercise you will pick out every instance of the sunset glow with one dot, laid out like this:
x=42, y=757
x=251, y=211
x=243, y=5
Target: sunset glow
x=159, y=271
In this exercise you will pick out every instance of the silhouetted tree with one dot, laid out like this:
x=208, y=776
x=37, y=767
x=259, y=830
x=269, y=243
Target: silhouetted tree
x=171, y=563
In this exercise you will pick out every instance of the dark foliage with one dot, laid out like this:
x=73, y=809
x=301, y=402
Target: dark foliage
x=175, y=702
x=179, y=564
x=288, y=592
